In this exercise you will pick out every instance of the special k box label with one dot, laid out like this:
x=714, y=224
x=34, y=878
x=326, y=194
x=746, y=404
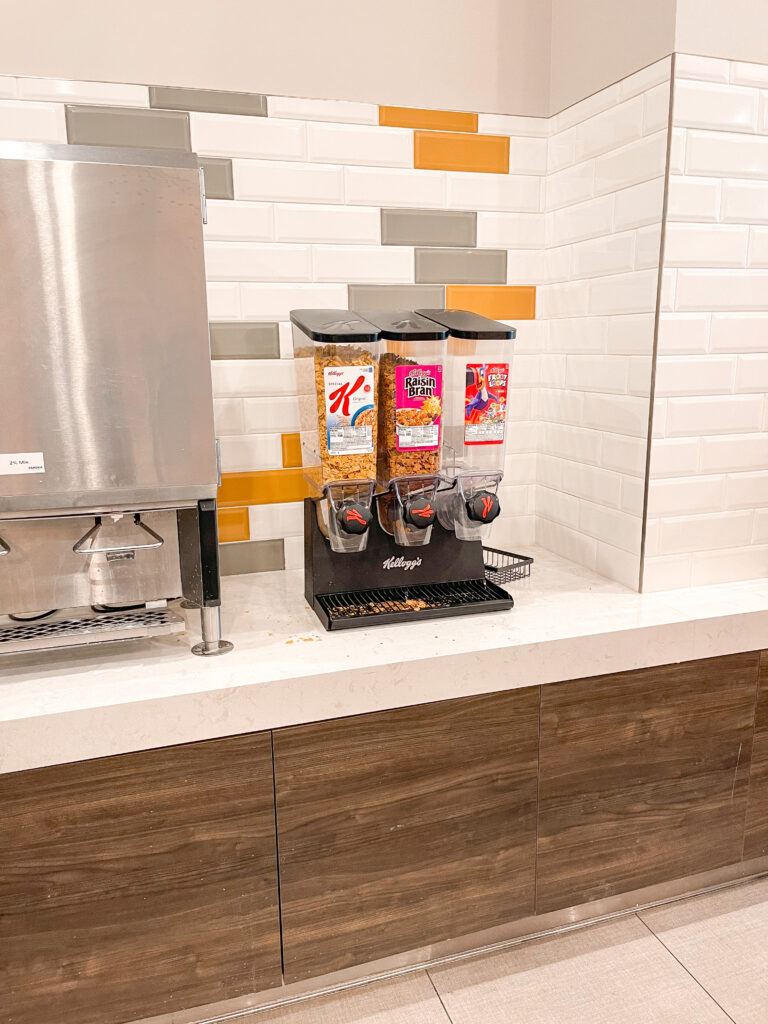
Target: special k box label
x=349, y=409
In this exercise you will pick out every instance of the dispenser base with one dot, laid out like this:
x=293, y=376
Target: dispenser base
x=204, y=650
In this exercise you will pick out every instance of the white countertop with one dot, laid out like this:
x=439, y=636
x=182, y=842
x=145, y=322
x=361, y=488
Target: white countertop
x=285, y=669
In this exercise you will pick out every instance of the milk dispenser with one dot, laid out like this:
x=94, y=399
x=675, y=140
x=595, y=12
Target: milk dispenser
x=475, y=418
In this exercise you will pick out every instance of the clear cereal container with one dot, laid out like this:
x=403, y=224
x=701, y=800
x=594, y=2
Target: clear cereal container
x=337, y=366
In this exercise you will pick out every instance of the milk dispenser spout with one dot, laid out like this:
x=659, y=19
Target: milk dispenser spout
x=475, y=420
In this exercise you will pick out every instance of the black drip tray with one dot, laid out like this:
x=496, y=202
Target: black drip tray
x=409, y=604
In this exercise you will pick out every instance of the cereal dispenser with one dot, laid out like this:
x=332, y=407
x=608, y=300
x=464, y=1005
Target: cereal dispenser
x=337, y=355
x=476, y=389
x=410, y=423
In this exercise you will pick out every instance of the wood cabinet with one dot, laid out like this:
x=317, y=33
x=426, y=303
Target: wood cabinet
x=402, y=828
x=644, y=777
x=135, y=885
x=756, y=831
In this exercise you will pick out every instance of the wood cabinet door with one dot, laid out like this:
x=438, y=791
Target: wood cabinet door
x=644, y=777
x=139, y=884
x=403, y=828
x=756, y=835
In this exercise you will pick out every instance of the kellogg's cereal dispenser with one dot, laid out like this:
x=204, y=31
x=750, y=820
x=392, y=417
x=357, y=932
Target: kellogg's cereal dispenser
x=410, y=423
x=475, y=419
x=337, y=365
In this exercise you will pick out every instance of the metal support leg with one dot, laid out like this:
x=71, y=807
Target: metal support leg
x=210, y=623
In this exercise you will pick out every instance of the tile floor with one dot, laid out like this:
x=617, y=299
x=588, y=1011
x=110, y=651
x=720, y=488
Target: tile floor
x=699, y=961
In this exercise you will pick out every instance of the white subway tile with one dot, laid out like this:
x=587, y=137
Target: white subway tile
x=567, y=299
x=758, y=250
x=511, y=124
x=267, y=415
x=322, y=110
x=745, y=202
x=720, y=290
x=569, y=442
x=717, y=414
x=572, y=185
x=659, y=417
x=307, y=223
x=752, y=373
x=249, y=261
x=686, y=495
x=62, y=91
x=762, y=120
x=612, y=254
x=228, y=416
x=294, y=552
x=583, y=220
x=749, y=74
x=593, y=483
x=509, y=230
x=231, y=221
x=617, y=414
x=389, y=264
x=566, y=542
x=601, y=373
x=674, y=457
x=727, y=566
x=720, y=107
x=532, y=335
x=646, y=78
x=527, y=156
x=526, y=370
x=640, y=161
x=630, y=335
x=275, y=301
x=223, y=301
x=677, y=151
x=285, y=333
x=513, y=532
x=526, y=266
x=251, y=451
x=245, y=136
x=552, y=370
x=704, y=532
x=7, y=87
x=520, y=466
x=369, y=186
x=633, y=495
x=747, y=490
x=656, y=109
x=270, y=522
x=610, y=129
x=560, y=151
x=739, y=332
x=694, y=245
x=727, y=154
x=581, y=334
x=556, y=405
x=616, y=564
x=704, y=69
x=640, y=375
x=668, y=572
x=611, y=526
x=587, y=108
x=694, y=375
x=253, y=378
x=683, y=333
x=648, y=247
x=32, y=122
x=507, y=193
x=693, y=198
x=624, y=293
x=760, y=527
x=291, y=182
x=734, y=454
x=358, y=144
x=558, y=507
x=668, y=289
x=557, y=264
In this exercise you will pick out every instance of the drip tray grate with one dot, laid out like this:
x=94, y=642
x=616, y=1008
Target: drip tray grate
x=88, y=629
x=398, y=604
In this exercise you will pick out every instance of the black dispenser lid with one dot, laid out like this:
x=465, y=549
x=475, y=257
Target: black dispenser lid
x=403, y=325
x=463, y=324
x=334, y=326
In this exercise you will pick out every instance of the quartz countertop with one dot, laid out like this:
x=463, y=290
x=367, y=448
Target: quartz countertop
x=567, y=623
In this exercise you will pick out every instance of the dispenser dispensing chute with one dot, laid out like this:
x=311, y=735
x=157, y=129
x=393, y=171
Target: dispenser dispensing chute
x=475, y=417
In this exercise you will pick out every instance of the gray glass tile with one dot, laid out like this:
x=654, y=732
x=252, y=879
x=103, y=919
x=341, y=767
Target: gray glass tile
x=241, y=557
x=126, y=126
x=218, y=177
x=428, y=227
x=209, y=101
x=395, y=296
x=245, y=341
x=461, y=266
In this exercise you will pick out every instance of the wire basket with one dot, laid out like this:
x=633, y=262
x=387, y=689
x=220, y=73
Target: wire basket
x=504, y=567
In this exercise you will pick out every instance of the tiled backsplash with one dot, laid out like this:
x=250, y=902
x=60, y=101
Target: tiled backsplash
x=551, y=224
x=708, y=488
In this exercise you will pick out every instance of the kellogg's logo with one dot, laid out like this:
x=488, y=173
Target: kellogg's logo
x=406, y=564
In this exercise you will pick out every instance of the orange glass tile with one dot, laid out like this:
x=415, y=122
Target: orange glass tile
x=233, y=524
x=291, y=450
x=499, y=302
x=447, y=151
x=437, y=120
x=262, y=487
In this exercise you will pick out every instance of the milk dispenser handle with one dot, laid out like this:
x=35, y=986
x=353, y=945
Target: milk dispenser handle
x=81, y=549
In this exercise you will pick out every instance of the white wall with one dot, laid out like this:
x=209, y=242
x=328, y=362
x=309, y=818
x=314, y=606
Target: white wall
x=484, y=55
x=737, y=30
